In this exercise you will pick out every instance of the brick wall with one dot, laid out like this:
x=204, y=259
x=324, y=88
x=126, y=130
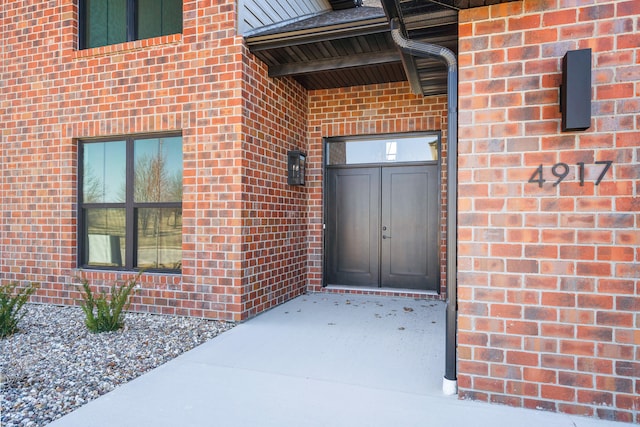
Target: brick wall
x=548, y=277
x=366, y=110
x=51, y=95
x=275, y=214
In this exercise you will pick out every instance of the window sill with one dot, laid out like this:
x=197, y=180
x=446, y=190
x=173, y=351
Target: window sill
x=121, y=271
x=127, y=46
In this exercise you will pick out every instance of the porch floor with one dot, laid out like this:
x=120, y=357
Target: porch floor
x=319, y=360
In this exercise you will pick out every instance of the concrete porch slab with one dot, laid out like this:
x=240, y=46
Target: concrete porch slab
x=319, y=360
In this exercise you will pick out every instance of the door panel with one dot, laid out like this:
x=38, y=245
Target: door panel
x=353, y=222
x=382, y=227
x=409, y=251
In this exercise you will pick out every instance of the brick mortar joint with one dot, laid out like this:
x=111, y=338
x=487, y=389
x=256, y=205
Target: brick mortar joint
x=128, y=47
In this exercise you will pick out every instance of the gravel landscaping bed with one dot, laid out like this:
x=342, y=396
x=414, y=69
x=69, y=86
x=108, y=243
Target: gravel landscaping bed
x=55, y=365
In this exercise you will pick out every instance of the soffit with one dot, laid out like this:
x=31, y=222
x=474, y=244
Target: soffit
x=351, y=46
x=340, y=48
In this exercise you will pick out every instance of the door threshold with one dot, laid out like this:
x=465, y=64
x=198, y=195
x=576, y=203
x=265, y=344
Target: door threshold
x=392, y=292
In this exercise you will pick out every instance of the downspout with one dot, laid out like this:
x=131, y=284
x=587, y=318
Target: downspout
x=427, y=50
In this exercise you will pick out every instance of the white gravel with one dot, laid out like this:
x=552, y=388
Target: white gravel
x=55, y=365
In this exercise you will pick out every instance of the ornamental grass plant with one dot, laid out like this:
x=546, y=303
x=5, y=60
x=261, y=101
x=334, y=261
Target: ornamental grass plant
x=12, y=299
x=104, y=313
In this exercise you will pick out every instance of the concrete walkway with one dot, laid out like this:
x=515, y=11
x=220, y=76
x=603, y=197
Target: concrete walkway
x=319, y=360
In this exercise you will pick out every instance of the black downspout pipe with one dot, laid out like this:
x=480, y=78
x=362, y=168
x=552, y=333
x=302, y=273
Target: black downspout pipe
x=427, y=50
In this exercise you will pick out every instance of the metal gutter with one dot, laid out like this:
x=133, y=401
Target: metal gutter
x=427, y=50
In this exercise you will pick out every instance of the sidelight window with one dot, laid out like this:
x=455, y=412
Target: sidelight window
x=131, y=203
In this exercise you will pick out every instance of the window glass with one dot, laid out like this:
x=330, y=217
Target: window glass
x=131, y=204
x=160, y=238
x=104, y=167
x=105, y=243
x=158, y=170
x=171, y=16
x=106, y=22
x=383, y=150
x=159, y=17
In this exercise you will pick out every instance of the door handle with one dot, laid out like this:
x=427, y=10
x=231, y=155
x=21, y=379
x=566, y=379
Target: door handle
x=386, y=237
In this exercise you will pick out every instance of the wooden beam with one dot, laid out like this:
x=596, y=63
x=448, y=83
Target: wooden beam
x=317, y=35
x=410, y=69
x=359, y=60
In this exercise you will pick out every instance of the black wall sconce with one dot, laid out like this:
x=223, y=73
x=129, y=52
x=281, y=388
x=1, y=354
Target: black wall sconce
x=575, y=92
x=295, y=167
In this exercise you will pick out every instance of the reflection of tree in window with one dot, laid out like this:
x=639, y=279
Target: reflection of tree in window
x=150, y=179
x=150, y=176
x=92, y=187
x=157, y=180
x=146, y=199
x=175, y=193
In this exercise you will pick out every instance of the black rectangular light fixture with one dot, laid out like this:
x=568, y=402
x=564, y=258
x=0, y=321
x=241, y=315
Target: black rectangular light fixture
x=575, y=92
x=295, y=167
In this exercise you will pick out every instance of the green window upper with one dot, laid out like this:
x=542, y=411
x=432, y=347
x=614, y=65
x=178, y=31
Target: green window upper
x=107, y=22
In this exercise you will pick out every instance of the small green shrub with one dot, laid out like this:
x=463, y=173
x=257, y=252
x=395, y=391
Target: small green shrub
x=11, y=303
x=106, y=313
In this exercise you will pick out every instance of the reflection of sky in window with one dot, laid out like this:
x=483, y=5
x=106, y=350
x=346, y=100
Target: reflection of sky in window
x=104, y=172
x=411, y=149
x=104, y=177
x=170, y=148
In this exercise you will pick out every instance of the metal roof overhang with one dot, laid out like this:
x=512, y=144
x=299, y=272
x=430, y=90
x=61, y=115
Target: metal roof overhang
x=337, y=49
x=352, y=46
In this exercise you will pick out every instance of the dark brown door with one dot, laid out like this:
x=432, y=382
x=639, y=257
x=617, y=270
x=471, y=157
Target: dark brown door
x=353, y=224
x=382, y=227
x=409, y=255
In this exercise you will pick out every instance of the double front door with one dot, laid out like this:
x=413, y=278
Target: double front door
x=382, y=227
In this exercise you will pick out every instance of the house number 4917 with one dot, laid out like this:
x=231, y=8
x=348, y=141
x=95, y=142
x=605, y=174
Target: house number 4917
x=561, y=170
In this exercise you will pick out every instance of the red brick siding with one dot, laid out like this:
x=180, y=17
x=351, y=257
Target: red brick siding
x=51, y=95
x=548, y=277
x=275, y=214
x=366, y=110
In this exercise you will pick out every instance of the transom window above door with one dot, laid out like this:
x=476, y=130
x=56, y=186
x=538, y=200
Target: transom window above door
x=383, y=149
x=107, y=22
